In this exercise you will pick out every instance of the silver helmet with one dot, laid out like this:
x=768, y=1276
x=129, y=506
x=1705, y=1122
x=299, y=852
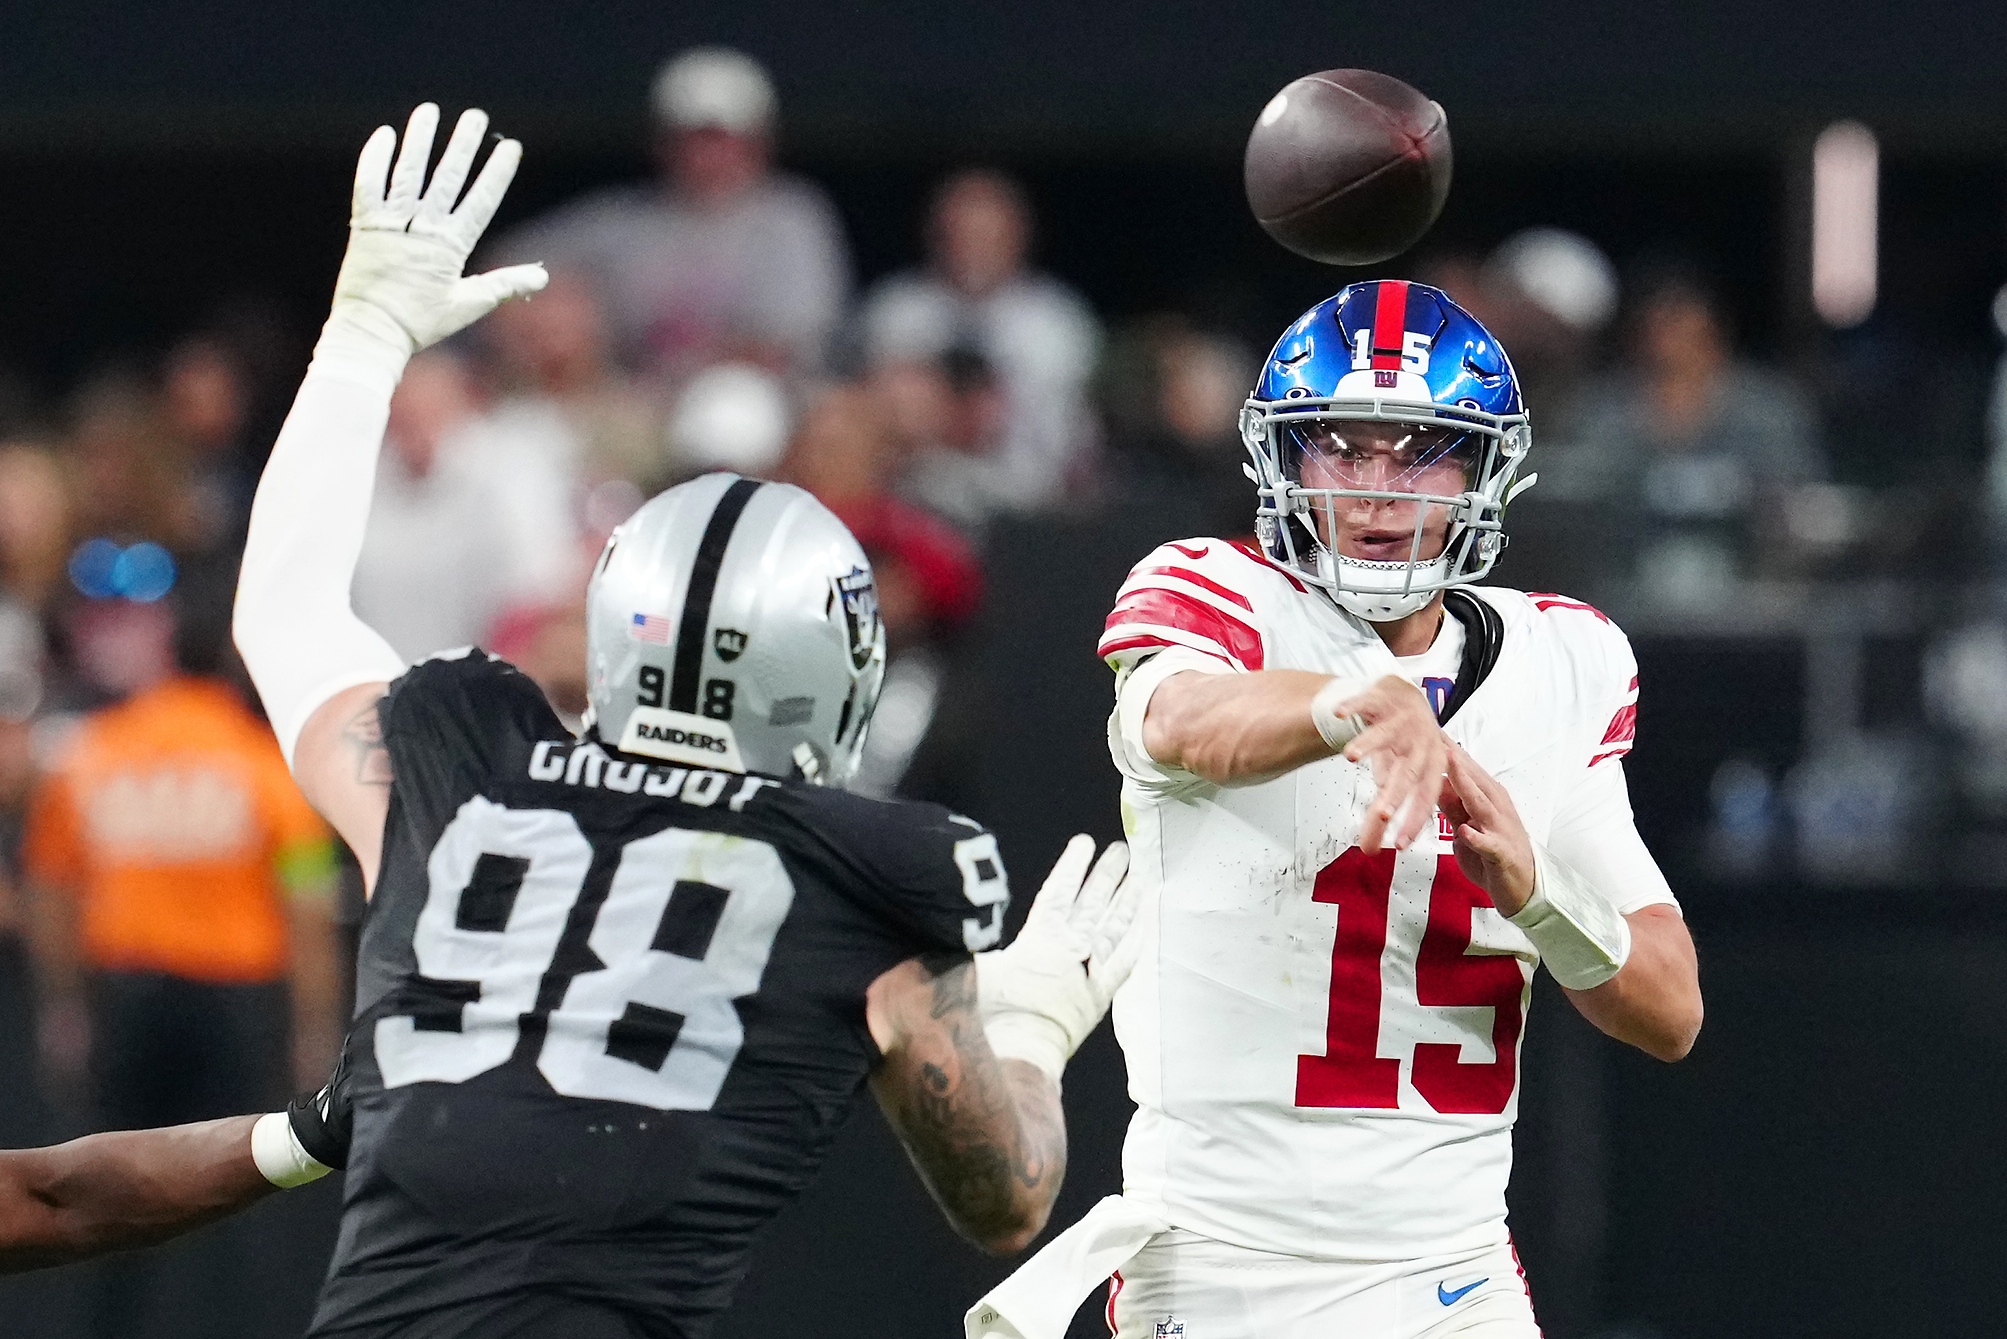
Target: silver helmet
x=734, y=624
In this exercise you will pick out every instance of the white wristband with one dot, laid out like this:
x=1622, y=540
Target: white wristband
x=1032, y=1038
x=276, y=1150
x=1335, y=730
x=1582, y=938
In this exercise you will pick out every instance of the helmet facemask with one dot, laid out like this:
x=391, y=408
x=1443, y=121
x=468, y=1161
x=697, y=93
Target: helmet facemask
x=1382, y=503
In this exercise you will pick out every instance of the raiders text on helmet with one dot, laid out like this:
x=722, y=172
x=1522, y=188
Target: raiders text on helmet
x=1395, y=353
x=734, y=624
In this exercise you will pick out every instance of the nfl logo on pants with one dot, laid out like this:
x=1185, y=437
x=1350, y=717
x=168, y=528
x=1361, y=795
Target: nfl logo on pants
x=1171, y=1329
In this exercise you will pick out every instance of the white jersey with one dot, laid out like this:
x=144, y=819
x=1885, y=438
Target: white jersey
x=1324, y=1045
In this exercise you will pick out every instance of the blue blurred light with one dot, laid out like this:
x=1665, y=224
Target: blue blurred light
x=144, y=572
x=92, y=567
x=101, y=570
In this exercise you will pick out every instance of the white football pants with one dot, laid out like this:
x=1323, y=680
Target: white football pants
x=1185, y=1286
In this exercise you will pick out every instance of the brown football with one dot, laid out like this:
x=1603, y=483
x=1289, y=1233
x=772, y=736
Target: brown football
x=1348, y=167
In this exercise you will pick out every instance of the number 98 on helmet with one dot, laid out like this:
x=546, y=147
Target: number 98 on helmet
x=732, y=623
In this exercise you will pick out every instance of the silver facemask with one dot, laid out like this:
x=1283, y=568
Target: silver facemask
x=734, y=624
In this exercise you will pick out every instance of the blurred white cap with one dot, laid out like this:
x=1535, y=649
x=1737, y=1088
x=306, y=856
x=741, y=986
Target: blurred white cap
x=1564, y=273
x=732, y=416
x=714, y=87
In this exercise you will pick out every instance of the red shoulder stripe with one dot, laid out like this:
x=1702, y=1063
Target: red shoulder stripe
x=1187, y=574
x=1623, y=726
x=1186, y=613
x=1613, y=753
x=1270, y=563
x=1544, y=601
x=1193, y=554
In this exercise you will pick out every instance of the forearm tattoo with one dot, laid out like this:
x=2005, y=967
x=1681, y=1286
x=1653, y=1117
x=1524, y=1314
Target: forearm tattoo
x=989, y=1138
x=363, y=738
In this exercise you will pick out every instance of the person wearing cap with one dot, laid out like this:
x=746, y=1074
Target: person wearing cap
x=722, y=258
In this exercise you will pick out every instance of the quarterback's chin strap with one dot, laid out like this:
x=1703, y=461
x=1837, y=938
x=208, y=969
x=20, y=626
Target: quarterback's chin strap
x=1040, y=997
x=1581, y=936
x=400, y=290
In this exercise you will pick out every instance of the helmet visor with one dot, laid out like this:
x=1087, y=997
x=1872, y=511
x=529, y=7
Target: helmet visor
x=1377, y=456
x=1377, y=491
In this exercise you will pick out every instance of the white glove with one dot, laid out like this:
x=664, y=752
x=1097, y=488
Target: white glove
x=401, y=286
x=1041, y=996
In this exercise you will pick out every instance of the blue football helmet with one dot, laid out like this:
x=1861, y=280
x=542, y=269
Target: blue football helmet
x=1389, y=414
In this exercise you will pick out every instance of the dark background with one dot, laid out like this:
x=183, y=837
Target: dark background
x=1826, y=1163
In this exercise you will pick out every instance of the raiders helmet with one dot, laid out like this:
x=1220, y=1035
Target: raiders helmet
x=732, y=623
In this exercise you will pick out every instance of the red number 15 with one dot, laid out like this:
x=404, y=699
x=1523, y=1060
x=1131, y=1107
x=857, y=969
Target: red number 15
x=1351, y=1072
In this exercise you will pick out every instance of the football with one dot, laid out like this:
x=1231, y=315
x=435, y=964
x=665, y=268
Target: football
x=1348, y=167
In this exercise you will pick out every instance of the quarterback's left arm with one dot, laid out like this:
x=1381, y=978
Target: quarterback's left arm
x=1632, y=973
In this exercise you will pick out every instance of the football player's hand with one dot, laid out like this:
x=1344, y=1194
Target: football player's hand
x=1405, y=747
x=1042, y=995
x=408, y=244
x=322, y=1120
x=1491, y=847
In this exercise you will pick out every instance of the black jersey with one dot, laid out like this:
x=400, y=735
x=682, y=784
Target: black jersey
x=610, y=1013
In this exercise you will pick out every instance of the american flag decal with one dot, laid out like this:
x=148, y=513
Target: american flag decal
x=649, y=628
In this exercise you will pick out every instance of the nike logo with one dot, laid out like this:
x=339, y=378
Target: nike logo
x=1448, y=1298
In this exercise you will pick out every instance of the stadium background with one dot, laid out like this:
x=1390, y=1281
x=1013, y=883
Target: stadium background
x=1826, y=1163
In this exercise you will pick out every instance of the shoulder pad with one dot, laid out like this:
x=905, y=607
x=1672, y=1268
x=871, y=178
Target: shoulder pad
x=1201, y=594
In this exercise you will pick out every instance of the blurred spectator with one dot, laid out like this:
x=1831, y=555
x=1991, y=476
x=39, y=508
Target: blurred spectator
x=949, y=416
x=928, y=581
x=1698, y=448
x=205, y=398
x=123, y=480
x=179, y=875
x=722, y=257
x=23, y=1120
x=466, y=522
x=732, y=416
x=183, y=895
x=1173, y=395
x=1035, y=336
x=34, y=524
x=553, y=361
x=1547, y=294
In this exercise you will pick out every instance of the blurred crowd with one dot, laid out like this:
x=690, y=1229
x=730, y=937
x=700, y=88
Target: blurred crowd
x=161, y=882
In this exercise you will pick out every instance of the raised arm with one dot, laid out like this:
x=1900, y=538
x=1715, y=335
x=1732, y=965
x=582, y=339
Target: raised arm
x=973, y=1051
x=317, y=666
x=1240, y=729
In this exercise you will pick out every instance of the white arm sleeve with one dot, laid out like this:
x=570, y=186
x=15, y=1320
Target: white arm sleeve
x=1595, y=834
x=1133, y=688
x=298, y=635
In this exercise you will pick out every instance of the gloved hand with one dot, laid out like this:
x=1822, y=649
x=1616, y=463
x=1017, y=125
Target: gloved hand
x=1042, y=995
x=321, y=1121
x=401, y=286
x=310, y=1137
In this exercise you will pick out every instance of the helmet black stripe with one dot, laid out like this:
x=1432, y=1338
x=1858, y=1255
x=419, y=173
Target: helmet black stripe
x=689, y=666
